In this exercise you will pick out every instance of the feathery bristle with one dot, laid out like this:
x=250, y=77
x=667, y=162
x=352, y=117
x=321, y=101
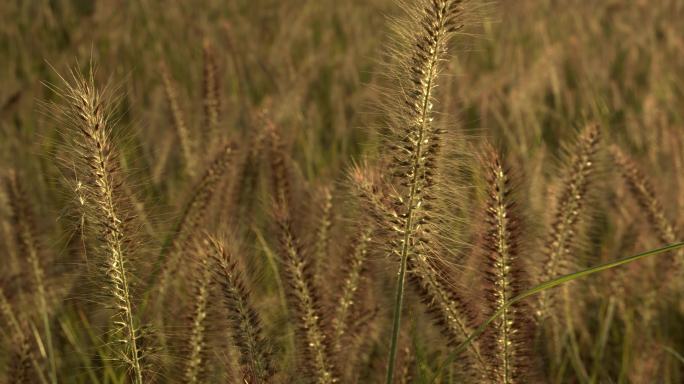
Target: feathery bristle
x=644, y=193
x=507, y=342
x=88, y=112
x=29, y=247
x=20, y=364
x=184, y=138
x=323, y=234
x=196, y=360
x=247, y=176
x=305, y=302
x=304, y=297
x=280, y=178
x=416, y=141
x=193, y=215
x=350, y=285
x=25, y=364
x=447, y=309
x=25, y=232
x=7, y=312
x=376, y=201
x=569, y=211
x=255, y=356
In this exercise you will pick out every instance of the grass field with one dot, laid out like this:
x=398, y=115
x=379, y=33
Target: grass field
x=355, y=191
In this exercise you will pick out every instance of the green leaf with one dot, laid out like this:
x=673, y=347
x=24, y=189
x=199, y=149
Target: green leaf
x=544, y=286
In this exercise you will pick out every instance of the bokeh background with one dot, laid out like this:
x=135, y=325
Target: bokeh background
x=525, y=75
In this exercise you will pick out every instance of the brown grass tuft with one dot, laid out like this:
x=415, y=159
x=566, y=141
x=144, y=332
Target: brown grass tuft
x=507, y=344
x=305, y=303
x=197, y=343
x=245, y=324
x=644, y=193
x=29, y=248
x=193, y=216
x=570, y=211
x=415, y=143
x=88, y=113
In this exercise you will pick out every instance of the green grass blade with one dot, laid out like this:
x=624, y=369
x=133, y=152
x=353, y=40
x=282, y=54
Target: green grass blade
x=674, y=353
x=548, y=285
x=607, y=321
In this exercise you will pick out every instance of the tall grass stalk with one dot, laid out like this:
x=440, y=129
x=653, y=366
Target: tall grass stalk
x=88, y=115
x=306, y=304
x=184, y=137
x=28, y=244
x=20, y=339
x=643, y=191
x=546, y=286
x=427, y=36
x=570, y=210
x=507, y=344
x=193, y=215
x=197, y=343
x=255, y=359
x=350, y=287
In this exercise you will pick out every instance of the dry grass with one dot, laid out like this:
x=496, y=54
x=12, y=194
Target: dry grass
x=304, y=192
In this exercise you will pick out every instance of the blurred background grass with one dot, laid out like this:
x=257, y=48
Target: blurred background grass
x=526, y=75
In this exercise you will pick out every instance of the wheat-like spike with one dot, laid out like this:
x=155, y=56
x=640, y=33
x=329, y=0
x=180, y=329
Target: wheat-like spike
x=303, y=294
x=193, y=215
x=255, y=356
x=644, y=193
x=407, y=360
x=186, y=142
x=569, y=210
x=196, y=359
x=279, y=167
x=9, y=316
x=247, y=175
x=415, y=144
x=138, y=206
x=506, y=342
x=377, y=203
x=323, y=234
x=212, y=101
x=447, y=309
x=350, y=287
x=29, y=247
x=80, y=202
x=305, y=302
x=25, y=233
x=20, y=364
x=15, y=328
x=88, y=112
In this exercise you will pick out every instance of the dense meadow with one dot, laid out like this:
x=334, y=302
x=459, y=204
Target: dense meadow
x=342, y=191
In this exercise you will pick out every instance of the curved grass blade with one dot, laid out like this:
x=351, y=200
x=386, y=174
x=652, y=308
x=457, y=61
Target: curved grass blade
x=544, y=286
x=674, y=353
